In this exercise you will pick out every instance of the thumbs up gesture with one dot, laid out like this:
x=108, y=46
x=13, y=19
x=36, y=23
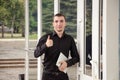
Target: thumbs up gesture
x=49, y=42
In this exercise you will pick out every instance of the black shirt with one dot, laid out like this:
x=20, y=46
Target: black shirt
x=65, y=44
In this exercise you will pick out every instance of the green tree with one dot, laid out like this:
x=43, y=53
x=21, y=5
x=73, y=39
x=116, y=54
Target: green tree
x=12, y=13
x=69, y=9
x=33, y=15
x=3, y=15
x=47, y=12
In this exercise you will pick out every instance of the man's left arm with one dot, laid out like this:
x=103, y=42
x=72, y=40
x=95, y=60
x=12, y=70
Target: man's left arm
x=74, y=54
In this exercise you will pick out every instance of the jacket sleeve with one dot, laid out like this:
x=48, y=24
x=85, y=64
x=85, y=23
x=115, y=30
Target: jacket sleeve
x=74, y=54
x=41, y=47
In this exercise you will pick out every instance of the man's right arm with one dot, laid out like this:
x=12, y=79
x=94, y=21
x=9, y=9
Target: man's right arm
x=41, y=47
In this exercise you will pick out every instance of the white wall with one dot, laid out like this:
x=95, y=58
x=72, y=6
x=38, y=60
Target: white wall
x=110, y=40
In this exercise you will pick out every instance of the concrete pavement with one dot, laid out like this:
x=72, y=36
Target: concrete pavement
x=15, y=49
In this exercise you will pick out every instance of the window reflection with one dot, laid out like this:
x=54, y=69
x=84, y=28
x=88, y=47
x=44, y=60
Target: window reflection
x=88, y=36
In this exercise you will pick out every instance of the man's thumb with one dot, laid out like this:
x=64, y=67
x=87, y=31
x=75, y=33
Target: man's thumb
x=48, y=37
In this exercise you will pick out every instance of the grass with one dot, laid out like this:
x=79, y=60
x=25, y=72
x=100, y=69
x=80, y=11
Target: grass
x=33, y=36
x=17, y=35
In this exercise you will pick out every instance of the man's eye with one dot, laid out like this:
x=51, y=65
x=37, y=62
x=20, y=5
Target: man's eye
x=61, y=20
x=56, y=21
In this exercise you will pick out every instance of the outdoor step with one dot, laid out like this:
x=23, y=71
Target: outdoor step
x=17, y=66
x=17, y=63
x=18, y=59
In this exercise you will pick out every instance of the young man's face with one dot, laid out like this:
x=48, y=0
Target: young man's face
x=59, y=23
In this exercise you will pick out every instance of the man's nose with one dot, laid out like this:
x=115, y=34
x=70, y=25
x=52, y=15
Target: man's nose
x=59, y=23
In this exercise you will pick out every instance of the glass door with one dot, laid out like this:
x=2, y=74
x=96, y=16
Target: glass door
x=89, y=32
x=84, y=29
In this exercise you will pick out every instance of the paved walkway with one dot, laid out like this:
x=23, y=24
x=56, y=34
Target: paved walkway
x=14, y=49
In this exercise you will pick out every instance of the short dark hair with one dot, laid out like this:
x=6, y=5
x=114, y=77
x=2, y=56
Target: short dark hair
x=59, y=15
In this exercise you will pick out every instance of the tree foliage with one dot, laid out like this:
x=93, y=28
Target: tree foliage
x=69, y=9
x=12, y=15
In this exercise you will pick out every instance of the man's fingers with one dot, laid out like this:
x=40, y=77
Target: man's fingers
x=63, y=65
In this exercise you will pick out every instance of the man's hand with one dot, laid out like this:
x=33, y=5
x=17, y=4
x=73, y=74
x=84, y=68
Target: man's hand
x=49, y=42
x=63, y=65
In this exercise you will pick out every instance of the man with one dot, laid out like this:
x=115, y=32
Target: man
x=52, y=45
